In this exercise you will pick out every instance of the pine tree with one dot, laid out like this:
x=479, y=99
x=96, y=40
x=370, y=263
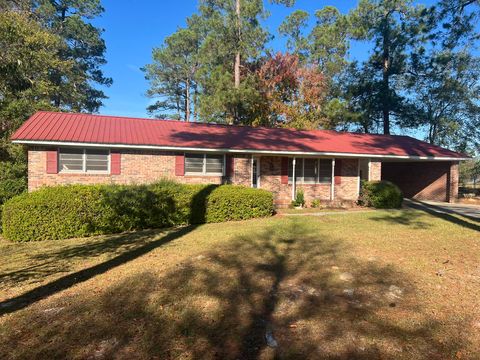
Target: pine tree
x=387, y=24
x=70, y=19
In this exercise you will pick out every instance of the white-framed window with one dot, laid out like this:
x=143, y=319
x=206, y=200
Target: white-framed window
x=75, y=160
x=325, y=171
x=204, y=164
x=310, y=171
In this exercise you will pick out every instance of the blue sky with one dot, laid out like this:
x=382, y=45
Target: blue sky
x=134, y=28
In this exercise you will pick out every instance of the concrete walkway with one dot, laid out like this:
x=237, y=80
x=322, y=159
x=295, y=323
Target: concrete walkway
x=469, y=211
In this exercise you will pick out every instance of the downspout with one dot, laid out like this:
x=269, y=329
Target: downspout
x=294, y=183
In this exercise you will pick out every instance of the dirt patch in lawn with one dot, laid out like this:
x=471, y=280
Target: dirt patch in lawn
x=381, y=285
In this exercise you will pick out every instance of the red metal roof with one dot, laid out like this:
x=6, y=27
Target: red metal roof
x=99, y=129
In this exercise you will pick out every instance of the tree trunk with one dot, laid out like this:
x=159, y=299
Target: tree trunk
x=237, y=55
x=195, y=102
x=386, y=79
x=187, y=100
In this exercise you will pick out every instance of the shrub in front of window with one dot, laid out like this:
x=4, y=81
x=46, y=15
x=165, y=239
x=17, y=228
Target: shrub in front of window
x=82, y=210
x=55, y=213
x=231, y=202
x=380, y=195
x=299, y=199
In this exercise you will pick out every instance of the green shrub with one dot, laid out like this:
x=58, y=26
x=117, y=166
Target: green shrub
x=299, y=199
x=82, y=210
x=230, y=202
x=54, y=213
x=381, y=195
x=315, y=203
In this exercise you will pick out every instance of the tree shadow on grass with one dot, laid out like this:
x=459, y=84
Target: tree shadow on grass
x=403, y=217
x=63, y=260
x=289, y=284
x=126, y=247
x=64, y=282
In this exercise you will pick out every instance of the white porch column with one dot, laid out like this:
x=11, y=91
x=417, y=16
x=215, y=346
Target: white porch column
x=294, y=182
x=332, y=190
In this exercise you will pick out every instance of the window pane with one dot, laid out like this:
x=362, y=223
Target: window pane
x=325, y=171
x=193, y=163
x=298, y=170
x=97, y=160
x=290, y=169
x=310, y=170
x=214, y=164
x=70, y=160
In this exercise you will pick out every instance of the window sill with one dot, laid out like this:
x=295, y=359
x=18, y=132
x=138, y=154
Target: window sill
x=311, y=184
x=81, y=173
x=203, y=175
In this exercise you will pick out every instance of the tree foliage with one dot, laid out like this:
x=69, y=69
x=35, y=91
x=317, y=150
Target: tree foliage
x=469, y=172
x=443, y=88
x=295, y=93
x=326, y=45
x=388, y=24
x=51, y=57
x=227, y=53
x=420, y=74
x=71, y=20
x=29, y=52
x=173, y=74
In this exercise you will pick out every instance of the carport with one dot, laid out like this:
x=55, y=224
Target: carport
x=423, y=180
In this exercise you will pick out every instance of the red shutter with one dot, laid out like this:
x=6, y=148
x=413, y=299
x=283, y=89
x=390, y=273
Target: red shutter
x=52, y=161
x=338, y=171
x=284, y=175
x=115, y=163
x=179, y=165
x=229, y=166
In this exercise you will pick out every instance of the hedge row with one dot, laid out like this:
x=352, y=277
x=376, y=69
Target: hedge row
x=381, y=195
x=83, y=210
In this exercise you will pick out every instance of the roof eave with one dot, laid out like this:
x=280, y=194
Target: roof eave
x=237, y=151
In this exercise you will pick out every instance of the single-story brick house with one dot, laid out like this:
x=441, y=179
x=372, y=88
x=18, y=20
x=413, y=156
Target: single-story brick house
x=66, y=148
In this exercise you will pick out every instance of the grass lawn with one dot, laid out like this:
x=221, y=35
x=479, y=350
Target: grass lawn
x=365, y=285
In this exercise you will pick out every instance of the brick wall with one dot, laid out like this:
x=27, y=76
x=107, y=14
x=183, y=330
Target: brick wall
x=453, y=182
x=349, y=186
x=140, y=167
x=424, y=180
x=242, y=170
x=375, y=170
x=137, y=167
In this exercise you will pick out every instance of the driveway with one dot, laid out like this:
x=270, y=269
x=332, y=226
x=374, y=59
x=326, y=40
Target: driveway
x=469, y=211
